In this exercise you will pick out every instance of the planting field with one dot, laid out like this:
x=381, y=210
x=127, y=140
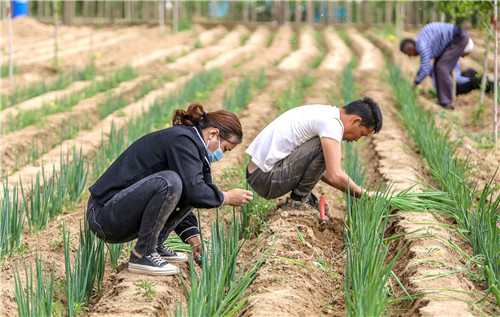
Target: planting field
x=433, y=256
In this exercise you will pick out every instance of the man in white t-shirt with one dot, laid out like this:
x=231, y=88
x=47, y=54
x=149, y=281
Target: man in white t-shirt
x=303, y=145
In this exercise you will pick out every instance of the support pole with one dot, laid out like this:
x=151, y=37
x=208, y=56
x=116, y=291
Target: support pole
x=485, y=66
x=175, y=16
x=11, y=46
x=56, y=37
x=161, y=15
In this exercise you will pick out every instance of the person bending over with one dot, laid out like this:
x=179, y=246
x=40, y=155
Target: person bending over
x=150, y=189
x=303, y=145
x=445, y=43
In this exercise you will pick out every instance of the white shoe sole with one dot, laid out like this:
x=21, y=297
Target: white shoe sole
x=168, y=269
x=180, y=257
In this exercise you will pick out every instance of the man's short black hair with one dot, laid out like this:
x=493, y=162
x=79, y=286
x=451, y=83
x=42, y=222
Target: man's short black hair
x=405, y=44
x=369, y=112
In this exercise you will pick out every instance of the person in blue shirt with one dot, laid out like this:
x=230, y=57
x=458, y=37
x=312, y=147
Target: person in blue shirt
x=444, y=43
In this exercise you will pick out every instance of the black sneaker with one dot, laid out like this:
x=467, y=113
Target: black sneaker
x=291, y=204
x=313, y=201
x=151, y=264
x=170, y=255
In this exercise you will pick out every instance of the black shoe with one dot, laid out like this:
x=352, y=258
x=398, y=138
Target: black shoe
x=292, y=204
x=490, y=86
x=170, y=255
x=313, y=201
x=449, y=106
x=151, y=264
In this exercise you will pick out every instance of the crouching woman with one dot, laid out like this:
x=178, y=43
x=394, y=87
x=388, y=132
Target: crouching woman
x=151, y=188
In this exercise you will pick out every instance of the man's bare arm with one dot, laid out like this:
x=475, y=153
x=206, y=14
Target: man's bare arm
x=334, y=174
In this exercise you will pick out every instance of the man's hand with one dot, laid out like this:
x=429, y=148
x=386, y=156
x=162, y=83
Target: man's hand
x=195, y=243
x=237, y=197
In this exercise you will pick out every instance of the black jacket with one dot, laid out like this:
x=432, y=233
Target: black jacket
x=180, y=149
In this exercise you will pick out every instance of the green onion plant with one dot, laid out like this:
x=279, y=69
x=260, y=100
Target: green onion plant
x=219, y=289
x=237, y=98
x=293, y=97
x=321, y=46
x=86, y=270
x=36, y=89
x=36, y=298
x=475, y=211
x=11, y=220
x=29, y=117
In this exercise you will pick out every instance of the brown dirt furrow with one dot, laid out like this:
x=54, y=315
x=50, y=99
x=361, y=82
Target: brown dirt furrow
x=195, y=60
x=152, y=57
x=284, y=288
x=25, y=29
x=89, y=140
x=46, y=48
x=161, y=54
x=23, y=44
x=105, y=59
x=205, y=37
x=338, y=55
x=401, y=168
x=37, y=102
x=48, y=134
x=77, y=48
x=256, y=41
x=302, y=57
x=210, y=36
x=279, y=47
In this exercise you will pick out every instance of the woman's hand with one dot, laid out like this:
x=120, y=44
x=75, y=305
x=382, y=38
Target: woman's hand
x=195, y=243
x=237, y=197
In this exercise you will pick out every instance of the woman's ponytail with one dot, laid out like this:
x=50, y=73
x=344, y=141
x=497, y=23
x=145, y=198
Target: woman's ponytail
x=191, y=116
x=227, y=122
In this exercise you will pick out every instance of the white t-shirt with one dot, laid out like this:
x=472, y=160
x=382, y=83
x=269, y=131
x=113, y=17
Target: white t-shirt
x=292, y=129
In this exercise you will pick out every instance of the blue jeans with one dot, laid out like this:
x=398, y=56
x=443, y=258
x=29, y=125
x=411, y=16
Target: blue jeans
x=299, y=172
x=146, y=210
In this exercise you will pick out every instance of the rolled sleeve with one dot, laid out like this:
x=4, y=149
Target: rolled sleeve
x=188, y=228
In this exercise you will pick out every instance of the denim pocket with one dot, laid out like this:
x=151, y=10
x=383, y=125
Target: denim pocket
x=93, y=225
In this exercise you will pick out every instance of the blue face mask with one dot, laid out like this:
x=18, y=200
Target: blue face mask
x=216, y=155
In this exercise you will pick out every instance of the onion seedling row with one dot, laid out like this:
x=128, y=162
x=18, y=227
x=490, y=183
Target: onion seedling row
x=477, y=220
x=29, y=117
x=367, y=270
x=219, y=289
x=63, y=80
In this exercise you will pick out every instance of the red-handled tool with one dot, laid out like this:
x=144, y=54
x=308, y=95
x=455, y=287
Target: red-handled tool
x=322, y=200
x=322, y=217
